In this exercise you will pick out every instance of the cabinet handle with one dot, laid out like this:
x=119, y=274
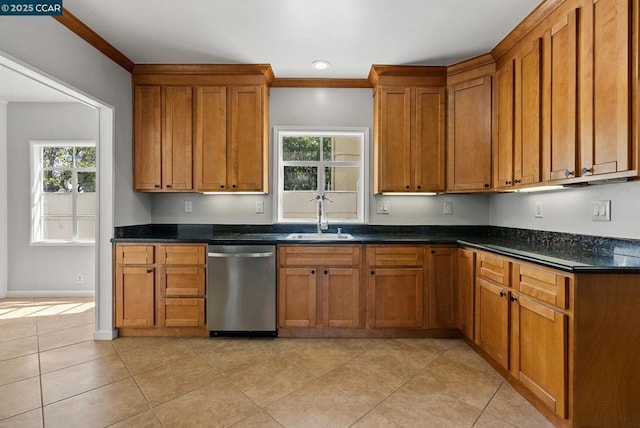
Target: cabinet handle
x=222, y=186
x=433, y=251
x=507, y=182
x=313, y=272
x=419, y=187
x=587, y=170
x=373, y=272
x=502, y=294
x=168, y=186
x=326, y=272
x=157, y=186
x=516, y=181
x=486, y=185
x=149, y=270
x=568, y=173
x=233, y=186
x=513, y=299
x=407, y=187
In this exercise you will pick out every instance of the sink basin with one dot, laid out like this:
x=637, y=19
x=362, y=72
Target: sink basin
x=320, y=236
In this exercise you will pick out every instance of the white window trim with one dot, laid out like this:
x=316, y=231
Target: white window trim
x=36, y=189
x=278, y=175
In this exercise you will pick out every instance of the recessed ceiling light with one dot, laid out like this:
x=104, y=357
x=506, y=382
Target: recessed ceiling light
x=321, y=64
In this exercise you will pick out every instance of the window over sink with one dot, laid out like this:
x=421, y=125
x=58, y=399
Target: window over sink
x=314, y=162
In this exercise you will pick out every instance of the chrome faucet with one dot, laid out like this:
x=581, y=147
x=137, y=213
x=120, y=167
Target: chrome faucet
x=323, y=224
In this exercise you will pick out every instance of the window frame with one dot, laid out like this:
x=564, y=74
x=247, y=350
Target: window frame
x=305, y=131
x=36, y=169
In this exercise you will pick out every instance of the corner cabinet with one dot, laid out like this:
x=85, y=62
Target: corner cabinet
x=201, y=127
x=159, y=289
x=409, y=128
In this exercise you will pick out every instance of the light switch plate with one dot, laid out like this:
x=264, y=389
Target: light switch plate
x=259, y=207
x=383, y=207
x=448, y=207
x=538, y=211
x=601, y=211
x=188, y=206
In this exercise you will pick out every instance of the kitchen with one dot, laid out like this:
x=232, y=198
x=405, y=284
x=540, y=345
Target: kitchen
x=566, y=211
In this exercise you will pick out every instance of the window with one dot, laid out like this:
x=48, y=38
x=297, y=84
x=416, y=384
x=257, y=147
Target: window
x=321, y=162
x=64, y=192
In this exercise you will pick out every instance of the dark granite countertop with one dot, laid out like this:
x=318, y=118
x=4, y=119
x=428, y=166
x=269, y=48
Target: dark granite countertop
x=568, y=252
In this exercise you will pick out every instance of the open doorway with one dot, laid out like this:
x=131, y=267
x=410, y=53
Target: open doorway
x=37, y=94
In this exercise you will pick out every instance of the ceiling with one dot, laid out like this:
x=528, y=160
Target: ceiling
x=16, y=87
x=290, y=34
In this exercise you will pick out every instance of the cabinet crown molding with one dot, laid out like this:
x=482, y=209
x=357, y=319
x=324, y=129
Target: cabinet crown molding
x=412, y=74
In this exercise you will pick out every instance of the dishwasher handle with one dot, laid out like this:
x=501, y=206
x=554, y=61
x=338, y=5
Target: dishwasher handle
x=241, y=255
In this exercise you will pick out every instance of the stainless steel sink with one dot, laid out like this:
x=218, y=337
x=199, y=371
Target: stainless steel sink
x=320, y=236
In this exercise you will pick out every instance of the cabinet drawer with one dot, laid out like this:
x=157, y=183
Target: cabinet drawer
x=134, y=254
x=183, y=312
x=493, y=268
x=183, y=281
x=395, y=256
x=312, y=255
x=181, y=254
x=543, y=284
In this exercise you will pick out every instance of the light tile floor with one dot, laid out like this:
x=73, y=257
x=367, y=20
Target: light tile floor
x=53, y=374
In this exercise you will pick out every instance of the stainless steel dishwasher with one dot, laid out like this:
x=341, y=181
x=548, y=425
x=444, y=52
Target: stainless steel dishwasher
x=241, y=290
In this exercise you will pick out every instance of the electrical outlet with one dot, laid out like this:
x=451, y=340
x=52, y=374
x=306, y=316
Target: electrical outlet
x=601, y=211
x=79, y=279
x=259, y=207
x=538, y=211
x=448, y=207
x=383, y=207
x=188, y=206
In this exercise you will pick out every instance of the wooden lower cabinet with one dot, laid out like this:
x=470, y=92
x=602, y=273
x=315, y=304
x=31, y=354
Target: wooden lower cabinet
x=395, y=297
x=492, y=320
x=442, y=287
x=159, y=289
x=319, y=287
x=466, y=292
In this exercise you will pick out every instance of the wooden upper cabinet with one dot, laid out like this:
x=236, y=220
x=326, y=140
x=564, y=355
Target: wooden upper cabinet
x=246, y=144
x=210, y=154
x=409, y=128
x=503, y=143
x=560, y=108
x=607, y=89
x=470, y=135
x=527, y=147
x=147, y=138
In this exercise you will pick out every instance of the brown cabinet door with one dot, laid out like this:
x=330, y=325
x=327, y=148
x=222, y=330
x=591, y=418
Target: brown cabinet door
x=134, y=296
x=469, y=136
x=340, y=297
x=527, y=152
x=443, y=287
x=395, y=297
x=297, y=297
x=177, y=148
x=503, y=143
x=429, y=140
x=466, y=289
x=147, y=138
x=392, y=152
x=605, y=103
x=182, y=281
x=561, y=59
x=540, y=352
x=182, y=312
x=210, y=154
x=246, y=140
x=492, y=320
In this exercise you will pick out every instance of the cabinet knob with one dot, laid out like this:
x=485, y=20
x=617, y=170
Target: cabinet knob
x=222, y=186
x=502, y=294
x=586, y=170
x=513, y=299
x=168, y=186
x=419, y=187
x=516, y=181
x=313, y=272
x=433, y=251
x=568, y=173
x=149, y=270
x=157, y=186
x=326, y=272
x=486, y=185
x=373, y=272
x=233, y=186
x=507, y=182
x=407, y=187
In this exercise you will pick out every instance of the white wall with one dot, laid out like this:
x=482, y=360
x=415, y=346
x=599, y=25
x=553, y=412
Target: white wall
x=47, y=45
x=318, y=107
x=570, y=210
x=3, y=201
x=42, y=270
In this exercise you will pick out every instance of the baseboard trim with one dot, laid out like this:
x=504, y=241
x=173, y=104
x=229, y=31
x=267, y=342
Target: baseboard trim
x=51, y=293
x=105, y=334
